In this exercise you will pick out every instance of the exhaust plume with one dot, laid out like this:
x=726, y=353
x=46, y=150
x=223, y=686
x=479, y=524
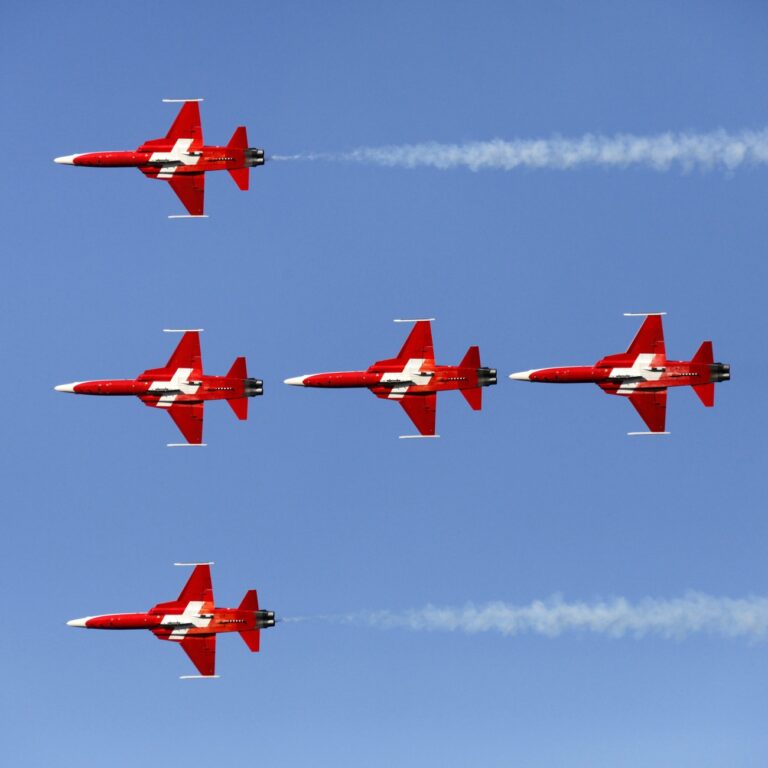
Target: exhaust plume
x=717, y=150
x=694, y=613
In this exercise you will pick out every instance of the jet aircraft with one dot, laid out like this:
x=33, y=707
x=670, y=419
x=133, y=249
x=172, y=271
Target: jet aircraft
x=193, y=621
x=182, y=158
x=181, y=388
x=413, y=379
x=643, y=373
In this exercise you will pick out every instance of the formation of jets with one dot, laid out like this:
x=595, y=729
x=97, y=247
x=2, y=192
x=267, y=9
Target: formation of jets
x=193, y=620
x=412, y=378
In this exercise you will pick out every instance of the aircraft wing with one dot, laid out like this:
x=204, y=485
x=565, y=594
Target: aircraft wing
x=419, y=342
x=198, y=587
x=201, y=650
x=190, y=188
x=421, y=411
x=189, y=420
x=652, y=407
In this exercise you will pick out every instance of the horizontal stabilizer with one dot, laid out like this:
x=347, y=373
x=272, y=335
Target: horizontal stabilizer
x=474, y=397
x=238, y=370
x=239, y=139
x=241, y=176
x=704, y=354
x=240, y=406
x=471, y=359
x=250, y=601
x=706, y=393
x=251, y=638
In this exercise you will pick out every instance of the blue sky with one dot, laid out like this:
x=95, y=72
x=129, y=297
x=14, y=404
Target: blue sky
x=314, y=501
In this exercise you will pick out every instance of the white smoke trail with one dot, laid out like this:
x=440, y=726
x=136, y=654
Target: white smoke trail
x=675, y=618
x=688, y=151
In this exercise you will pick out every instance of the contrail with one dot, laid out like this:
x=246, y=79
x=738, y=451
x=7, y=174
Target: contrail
x=717, y=150
x=694, y=613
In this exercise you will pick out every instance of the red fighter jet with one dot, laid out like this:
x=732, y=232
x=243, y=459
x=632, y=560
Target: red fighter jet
x=643, y=373
x=193, y=621
x=181, y=158
x=413, y=379
x=181, y=388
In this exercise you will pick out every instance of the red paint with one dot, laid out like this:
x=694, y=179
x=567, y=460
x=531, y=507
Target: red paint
x=182, y=158
x=181, y=388
x=415, y=389
x=644, y=373
x=175, y=620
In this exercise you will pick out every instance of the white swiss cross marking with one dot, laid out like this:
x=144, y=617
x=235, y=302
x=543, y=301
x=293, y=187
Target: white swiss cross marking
x=191, y=615
x=179, y=155
x=177, y=382
x=409, y=373
x=641, y=368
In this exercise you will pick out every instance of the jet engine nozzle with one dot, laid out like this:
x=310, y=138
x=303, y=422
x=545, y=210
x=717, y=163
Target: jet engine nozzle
x=486, y=377
x=253, y=387
x=254, y=156
x=720, y=372
x=265, y=619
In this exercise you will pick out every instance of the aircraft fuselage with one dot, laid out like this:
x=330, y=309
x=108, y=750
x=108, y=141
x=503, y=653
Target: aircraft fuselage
x=183, y=387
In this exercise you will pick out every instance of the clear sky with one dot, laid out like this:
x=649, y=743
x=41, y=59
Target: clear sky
x=314, y=501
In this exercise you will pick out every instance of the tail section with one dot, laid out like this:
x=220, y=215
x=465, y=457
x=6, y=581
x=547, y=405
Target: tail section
x=474, y=397
x=238, y=370
x=242, y=177
x=240, y=406
x=706, y=393
x=252, y=639
x=704, y=354
x=251, y=603
x=471, y=359
x=239, y=141
x=649, y=339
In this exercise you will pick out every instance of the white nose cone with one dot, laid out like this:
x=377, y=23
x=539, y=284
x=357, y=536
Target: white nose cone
x=296, y=381
x=68, y=387
x=522, y=376
x=78, y=622
x=65, y=159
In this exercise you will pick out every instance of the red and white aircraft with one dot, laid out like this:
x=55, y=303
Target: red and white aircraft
x=643, y=373
x=413, y=379
x=181, y=158
x=193, y=621
x=181, y=388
